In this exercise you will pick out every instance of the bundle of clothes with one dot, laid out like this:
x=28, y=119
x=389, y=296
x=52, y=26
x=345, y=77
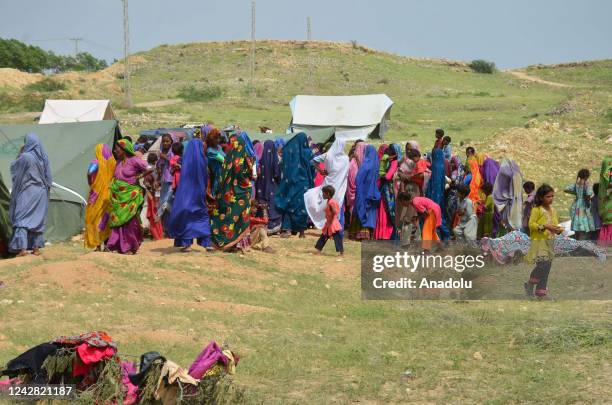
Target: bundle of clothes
x=92, y=363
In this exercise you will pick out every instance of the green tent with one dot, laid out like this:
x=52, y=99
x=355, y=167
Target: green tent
x=322, y=135
x=70, y=147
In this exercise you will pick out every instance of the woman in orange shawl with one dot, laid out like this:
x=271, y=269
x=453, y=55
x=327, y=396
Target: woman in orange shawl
x=99, y=176
x=476, y=181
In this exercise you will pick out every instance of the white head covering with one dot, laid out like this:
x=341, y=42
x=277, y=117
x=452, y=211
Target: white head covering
x=337, y=167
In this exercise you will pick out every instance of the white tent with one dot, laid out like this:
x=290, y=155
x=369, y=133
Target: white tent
x=354, y=117
x=59, y=111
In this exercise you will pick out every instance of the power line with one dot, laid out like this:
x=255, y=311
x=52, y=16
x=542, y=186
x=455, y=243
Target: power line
x=253, y=47
x=308, y=30
x=126, y=52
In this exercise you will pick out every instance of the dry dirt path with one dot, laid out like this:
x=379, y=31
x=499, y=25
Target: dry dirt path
x=524, y=76
x=160, y=103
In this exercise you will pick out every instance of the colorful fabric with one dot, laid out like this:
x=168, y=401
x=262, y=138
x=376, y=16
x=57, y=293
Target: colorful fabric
x=542, y=247
x=231, y=217
x=490, y=168
x=605, y=191
x=297, y=178
x=367, y=195
x=508, y=194
x=259, y=148
x=504, y=248
x=98, y=206
x=210, y=356
x=580, y=211
x=99, y=339
x=126, y=145
x=485, y=225
x=189, y=218
x=424, y=205
x=337, y=166
x=385, y=224
x=476, y=181
x=267, y=182
x=429, y=234
x=126, y=200
x=352, y=174
x=436, y=188
x=332, y=224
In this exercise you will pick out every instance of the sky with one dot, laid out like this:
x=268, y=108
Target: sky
x=511, y=33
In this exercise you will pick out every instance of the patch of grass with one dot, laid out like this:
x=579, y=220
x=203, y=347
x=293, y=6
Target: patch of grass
x=46, y=85
x=608, y=115
x=566, y=337
x=138, y=110
x=24, y=102
x=194, y=94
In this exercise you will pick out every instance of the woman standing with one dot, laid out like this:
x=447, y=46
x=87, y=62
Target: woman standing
x=267, y=183
x=605, y=202
x=97, y=212
x=31, y=177
x=126, y=199
x=163, y=166
x=5, y=222
x=351, y=186
x=436, y=188
x=297, y=178
x=385, y=224
x=335, y=175
x=231, y=217
x=188, y=219
x=367, y=197
x=580, y=212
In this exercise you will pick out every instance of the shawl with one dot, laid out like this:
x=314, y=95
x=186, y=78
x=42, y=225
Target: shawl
x=297, y=176
x=508, y=194
x=189, y=215
x=490, y=168
x=98, y=206
x=337, y=166
x=367, y=195
x=31, y=179
x=352, y=174
x=605, y=199
x=437, y=182
x=268, y=180
x=247, y=144
x=258, y=150
x=231, y=218
x=476, y=181
x=412, y=145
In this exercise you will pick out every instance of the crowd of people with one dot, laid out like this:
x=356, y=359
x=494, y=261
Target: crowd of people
x=226, y=192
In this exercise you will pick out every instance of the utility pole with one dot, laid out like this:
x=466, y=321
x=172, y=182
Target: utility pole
x=308, y=30
x=252, y=47
x=76, y=45
x=126, y=53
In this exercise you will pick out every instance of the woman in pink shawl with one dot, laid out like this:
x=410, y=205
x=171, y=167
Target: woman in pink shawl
x=386, y=224
x=408, y=227
x=352, y=175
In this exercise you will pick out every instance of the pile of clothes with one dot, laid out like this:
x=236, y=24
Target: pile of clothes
x=91, y=362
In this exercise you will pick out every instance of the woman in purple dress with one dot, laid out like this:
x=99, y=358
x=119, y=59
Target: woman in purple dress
x=126, y=199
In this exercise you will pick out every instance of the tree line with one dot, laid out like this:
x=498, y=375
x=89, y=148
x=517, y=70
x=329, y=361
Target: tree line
x=29, y=58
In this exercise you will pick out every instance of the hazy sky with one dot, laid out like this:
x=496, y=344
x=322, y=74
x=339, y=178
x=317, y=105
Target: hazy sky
x=512, y=33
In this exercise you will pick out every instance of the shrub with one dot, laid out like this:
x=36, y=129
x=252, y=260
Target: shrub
x=46, y=85
x=482, y=66
x=191, y=93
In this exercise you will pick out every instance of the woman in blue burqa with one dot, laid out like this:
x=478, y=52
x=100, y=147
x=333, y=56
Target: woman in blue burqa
x=31, y=178
x=297, y=178
x=189, y=217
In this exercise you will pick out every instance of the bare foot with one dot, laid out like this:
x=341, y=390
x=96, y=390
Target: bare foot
x=98, y=249
x=316, y=252
x=302, y=236
x=36, y=252
x=186, y=249
x=269, y=250
x=285, y=235
x=210, y=249
x=22, y=253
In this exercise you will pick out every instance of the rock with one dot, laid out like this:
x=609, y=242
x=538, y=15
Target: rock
x=6, y=302
x=408, y=375
x=200, y=299
x=293, y=283
x=477, y=356
x=393, y=354
x=327, y=286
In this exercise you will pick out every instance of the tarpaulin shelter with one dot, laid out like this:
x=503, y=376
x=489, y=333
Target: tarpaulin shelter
x=322, y=135
x=61, y=111
x=354, y=117
x=70, y=147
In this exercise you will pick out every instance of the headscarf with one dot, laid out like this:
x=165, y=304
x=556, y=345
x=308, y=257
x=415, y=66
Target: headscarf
x=231, y=218
x=247, y=143
x=268, y=180
x=337, y=166
x=490, y=168
x=34, y=146
x=508, y=193
x=259, y=148
x=31, y=179
x=367, y=195
x=98, y=207
x=381, y=150
x=126, y=145
x=352, y=174
x=398, y=151
x=605, y=200
x=279, y=142
x=297, y=178
x=414, y=145
x=189, y=218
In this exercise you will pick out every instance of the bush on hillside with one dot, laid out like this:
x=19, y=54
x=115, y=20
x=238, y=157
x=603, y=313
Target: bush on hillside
x=191, y=93
x=482, y=66
x=46, y=85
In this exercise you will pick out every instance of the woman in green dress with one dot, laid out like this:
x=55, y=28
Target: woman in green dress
x=580, y=212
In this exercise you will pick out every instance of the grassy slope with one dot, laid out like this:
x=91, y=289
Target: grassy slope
x=304, y=334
